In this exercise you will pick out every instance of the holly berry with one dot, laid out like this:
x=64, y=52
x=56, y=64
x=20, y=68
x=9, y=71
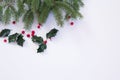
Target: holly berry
x=23, y=32
x=71, y=23
x=14, y=22
x=45, y=42
x=38, y=26
x=28, y=35
x=32, y=32
x=32, y=35
x=5, y=40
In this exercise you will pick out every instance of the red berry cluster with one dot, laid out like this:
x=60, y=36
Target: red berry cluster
x=33, y=32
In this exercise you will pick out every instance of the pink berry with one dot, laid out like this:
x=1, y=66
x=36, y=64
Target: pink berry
x=45, y=42
x=23, y=32
x=32, y=32
x=72, y=23
x=5, y=40
x=38, y=26
x=28, y=35
x=32, y=35
x=14, y=22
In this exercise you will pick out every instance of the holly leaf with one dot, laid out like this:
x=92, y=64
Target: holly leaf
x=37, y=39
x=41, y=48
x=20, y=40
x=5, y=32
x=52, y=33
x=13, y=37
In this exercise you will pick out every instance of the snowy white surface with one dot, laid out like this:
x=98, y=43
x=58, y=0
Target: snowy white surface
x=90, y=50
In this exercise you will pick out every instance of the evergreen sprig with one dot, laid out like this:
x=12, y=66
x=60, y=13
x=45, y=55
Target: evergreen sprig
x=39, y=9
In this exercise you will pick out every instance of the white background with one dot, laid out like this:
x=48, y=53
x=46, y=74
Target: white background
x=90, y=50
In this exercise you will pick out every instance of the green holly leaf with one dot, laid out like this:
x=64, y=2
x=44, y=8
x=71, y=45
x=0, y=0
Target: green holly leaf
x=37, y=39
x=20, y=40
x=5, y=32
x=41, y=48
x=52, y=33
x=13, y=37
x=16, y=38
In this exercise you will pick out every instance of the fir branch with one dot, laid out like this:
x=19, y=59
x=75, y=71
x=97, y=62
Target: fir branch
x=58, y=15
x=41, y=8
x=28, y=19
x=20, y=5
x=43, y=14
x=28, y=2
x=49, y=2
x=1, y=13
x=35, y=5
x=7, y=16
x=14, y=13
x=67, y=8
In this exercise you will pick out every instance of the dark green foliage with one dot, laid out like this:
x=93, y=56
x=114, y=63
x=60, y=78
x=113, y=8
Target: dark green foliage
x=5, y=32
x=39, y=9
x=20, y=40
x=40, y=42
x=37, y=39
x=41, y=48
x=35, y=5
x=13, y=37
x=52, y=33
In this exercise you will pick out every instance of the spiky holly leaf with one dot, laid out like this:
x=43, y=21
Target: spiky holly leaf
x=41, y=48
x=52, y=33
x=20, y=40
x=5, y=32
x=13, y=37
x=37, y=39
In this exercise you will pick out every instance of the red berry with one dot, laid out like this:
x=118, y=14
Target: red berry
x=5, y=40
x=33, y=32
x=23, y=32
x=28, y=35
x=14, y=22
x=45, y=42
x=32, y=35
x=38, y=26
x=72, y=23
